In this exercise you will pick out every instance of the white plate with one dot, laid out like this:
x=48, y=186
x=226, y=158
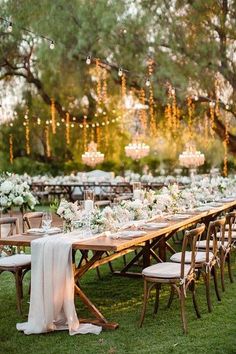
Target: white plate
x=40, y=231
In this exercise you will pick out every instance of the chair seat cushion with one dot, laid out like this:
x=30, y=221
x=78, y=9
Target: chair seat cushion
x=226, y=235
x=167, y=270
x=17, y=260
x=202, y=244
x=200, y=257
x=233, y=227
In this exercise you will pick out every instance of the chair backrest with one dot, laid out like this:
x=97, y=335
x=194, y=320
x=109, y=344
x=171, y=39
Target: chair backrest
x=28, y=217
x=215, y=234
x=191, y=237
x=230, y=221
x=13, y=224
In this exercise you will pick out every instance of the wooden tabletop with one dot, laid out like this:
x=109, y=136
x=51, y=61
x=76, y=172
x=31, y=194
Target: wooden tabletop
x=103, y=243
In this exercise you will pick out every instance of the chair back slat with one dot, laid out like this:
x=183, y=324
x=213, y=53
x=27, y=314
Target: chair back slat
x=230, y=221
x=28, y=217
x=191, y=237
x=215, y=233
x=13, y=222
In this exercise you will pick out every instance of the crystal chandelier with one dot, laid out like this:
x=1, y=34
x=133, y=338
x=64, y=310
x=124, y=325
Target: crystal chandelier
x=191, y=158
x=92, y=157
x=137, y=150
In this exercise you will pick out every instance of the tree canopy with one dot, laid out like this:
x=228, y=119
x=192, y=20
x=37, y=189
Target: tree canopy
x=187, y=45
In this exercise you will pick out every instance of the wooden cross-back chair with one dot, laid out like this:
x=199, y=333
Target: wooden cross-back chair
x=28, y=218
x=180, y=277
x=215, y=239
x=227, y=241
x=17, y=264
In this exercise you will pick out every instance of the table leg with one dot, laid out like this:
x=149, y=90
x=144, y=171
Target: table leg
x=99, y=320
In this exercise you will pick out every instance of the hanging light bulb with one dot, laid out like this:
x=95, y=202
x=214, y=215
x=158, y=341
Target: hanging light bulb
x=212, y=104
x=9, y=27
x=120, y=72
x=52, y=45
x=88, y=60
x=148, y=83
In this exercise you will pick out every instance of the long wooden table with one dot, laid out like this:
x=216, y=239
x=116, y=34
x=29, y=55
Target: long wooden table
x=106, y=249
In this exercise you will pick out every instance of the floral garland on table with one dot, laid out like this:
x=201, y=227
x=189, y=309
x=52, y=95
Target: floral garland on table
x=170, y=199
x=15, y=193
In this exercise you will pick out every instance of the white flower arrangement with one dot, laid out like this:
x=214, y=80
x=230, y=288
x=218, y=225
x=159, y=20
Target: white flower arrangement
x=68, y=211
x=16, y=193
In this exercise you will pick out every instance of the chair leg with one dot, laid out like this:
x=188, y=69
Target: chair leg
x=145, y=298
x=182, y=309
x=214, y=272
x=229, y=268
x=156, y=306
x=98, y=273
x=222, y=271
x=172, y=293
x=208, y=296
x=193, y=290
x=18, y=291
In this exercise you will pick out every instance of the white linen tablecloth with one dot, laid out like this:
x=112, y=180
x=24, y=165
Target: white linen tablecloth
x=52, y=288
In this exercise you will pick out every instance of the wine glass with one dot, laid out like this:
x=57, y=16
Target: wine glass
x=46, y=222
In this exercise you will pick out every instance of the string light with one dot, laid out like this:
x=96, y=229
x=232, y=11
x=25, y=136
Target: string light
x=11, y=156
x=27, y=134
x=123, y=85
x=104, y=86
x=51, y=45
x=206, y=130
x=151, y=100
x=67, y=128
x=10, y=27
x=225, y=144
x=190, y=115
x=212, y=118
x=99, y=86
x=88, y=60
x=143, y=115
x=85, y=132
x=47, y=141
x=53, y=116
x=148, y=83
x=120, y=72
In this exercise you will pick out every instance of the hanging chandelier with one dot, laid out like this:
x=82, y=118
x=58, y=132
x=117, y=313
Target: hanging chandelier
x=92, y=157
x=190, y=157
x=137, y=150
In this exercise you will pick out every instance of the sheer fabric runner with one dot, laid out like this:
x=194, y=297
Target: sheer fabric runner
x=52, y=288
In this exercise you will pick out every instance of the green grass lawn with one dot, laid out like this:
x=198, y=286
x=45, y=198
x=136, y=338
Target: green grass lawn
x=120, y=299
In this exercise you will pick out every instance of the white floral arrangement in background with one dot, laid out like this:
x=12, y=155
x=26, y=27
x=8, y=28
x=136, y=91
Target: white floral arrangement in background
x=15, y=193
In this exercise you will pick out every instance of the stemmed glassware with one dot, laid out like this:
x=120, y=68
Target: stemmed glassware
x=46, y=222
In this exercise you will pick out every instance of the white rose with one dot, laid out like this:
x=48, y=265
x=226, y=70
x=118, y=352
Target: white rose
x=3, y=201
x=6, y=187
x=18, y=200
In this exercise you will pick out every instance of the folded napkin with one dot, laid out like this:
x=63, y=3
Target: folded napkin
x=129, y=234
x=178, y=216
x=40, y=230
x=203, y=208
x=228, y=199
x=52, y=288
x=154, y=225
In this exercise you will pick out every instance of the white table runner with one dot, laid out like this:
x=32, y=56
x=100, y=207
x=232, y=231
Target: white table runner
x=52, y=288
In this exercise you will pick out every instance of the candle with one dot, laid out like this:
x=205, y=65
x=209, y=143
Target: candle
x=137, y=194
x=88, y=205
